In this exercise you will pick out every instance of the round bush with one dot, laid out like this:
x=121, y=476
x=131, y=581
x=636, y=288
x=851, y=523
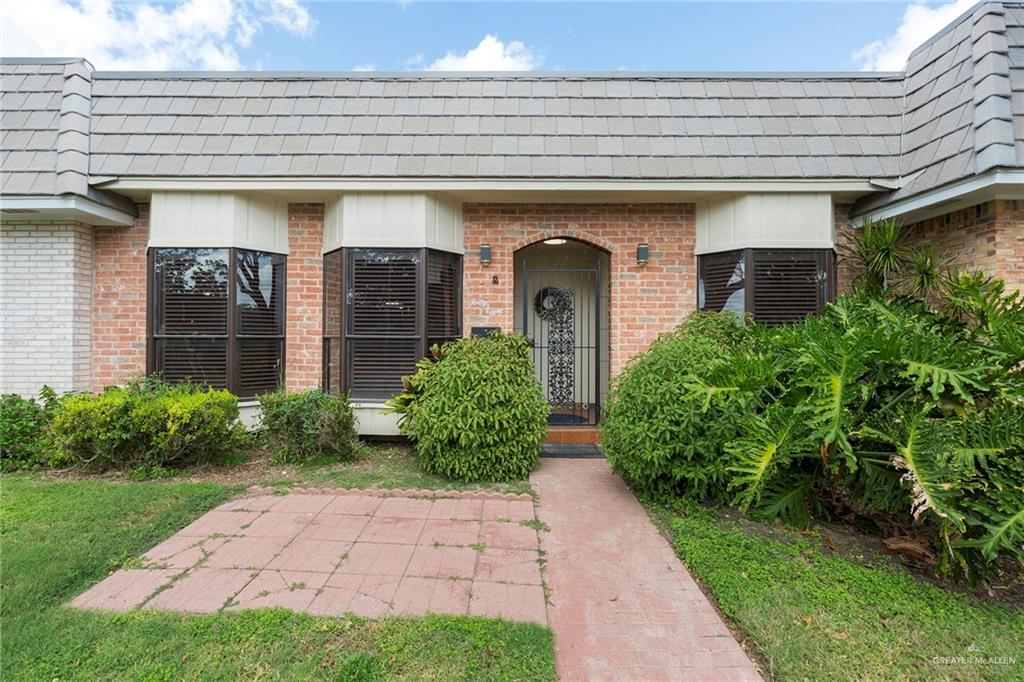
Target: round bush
x=665, y=420
x=300, y=426
x=476, y=411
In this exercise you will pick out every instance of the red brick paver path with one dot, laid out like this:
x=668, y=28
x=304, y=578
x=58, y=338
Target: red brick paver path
x=622, y=606
x=329, y=554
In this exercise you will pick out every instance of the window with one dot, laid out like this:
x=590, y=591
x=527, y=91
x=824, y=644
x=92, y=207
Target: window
x=217, y=318
x=774, y=285
x=383, y=309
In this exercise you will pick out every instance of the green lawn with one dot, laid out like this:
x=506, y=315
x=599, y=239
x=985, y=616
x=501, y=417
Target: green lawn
x=816, y=615
x=59, y=538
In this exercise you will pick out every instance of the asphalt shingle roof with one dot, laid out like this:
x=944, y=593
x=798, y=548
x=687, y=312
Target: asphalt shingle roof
x=957, y=110
x=501, y=126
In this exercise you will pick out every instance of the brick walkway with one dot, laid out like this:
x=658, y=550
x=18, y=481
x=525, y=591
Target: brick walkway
x=622, y=606
x=369, y=554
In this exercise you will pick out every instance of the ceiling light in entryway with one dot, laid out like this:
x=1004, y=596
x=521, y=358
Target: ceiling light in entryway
x=555, y=242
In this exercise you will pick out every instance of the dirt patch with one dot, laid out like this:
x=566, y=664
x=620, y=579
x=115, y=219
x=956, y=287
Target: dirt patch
x=378, y=465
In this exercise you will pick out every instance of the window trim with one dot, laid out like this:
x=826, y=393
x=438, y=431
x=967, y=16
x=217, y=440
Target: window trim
x=826, y=291
x=421, y=336
x=233, y=370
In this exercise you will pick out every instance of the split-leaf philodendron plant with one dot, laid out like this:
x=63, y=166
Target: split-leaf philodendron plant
x=885, y=409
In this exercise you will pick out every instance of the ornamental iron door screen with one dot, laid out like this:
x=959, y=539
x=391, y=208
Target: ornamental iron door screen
x=560, y=317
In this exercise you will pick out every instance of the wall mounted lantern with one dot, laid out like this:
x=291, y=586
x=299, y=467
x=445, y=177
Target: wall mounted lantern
x=485, y=254
x=643, y=254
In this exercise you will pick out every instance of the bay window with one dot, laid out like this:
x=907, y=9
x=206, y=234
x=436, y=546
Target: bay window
x=774, y=286
x=383, y=309
x=216, y=317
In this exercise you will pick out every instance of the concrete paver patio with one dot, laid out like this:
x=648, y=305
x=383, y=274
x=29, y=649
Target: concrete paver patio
x=371, y=553
x=622, y=606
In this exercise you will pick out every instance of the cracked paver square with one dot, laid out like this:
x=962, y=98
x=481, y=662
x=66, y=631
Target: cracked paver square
x=124, y=590
x=321, y=556
x=285, y=589
x=247, y=553
x=203, y=590
x=219, y=523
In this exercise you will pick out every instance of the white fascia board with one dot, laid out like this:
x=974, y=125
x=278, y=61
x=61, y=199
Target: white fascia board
x=71, y=208
x=995, y=184
x=851, y=185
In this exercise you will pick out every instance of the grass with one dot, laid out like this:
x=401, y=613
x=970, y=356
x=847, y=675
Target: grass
x=381, y=466
x=60, y=537
x=817, y=615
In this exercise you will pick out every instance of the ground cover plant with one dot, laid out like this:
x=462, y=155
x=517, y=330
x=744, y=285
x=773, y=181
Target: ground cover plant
x=60, y=537
x=901, y=406
x=813, y=613
x=23, y=423
x=475, y=411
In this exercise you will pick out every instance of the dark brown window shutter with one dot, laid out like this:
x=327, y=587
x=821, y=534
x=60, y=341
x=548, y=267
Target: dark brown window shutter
x=789, y=284
x=200, y=361
x=378, y=365
x=333, y=287
x=191, y=294
x=383, y=293
x=722, y=281
x=444, y=297
x=259, y=302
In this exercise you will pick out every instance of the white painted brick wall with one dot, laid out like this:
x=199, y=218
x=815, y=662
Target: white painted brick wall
x=45, y=307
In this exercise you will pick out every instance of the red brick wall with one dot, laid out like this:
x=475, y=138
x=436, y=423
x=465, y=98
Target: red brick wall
x=119, y=302
x=988, y=237
x=1006, y=248
x=304, y=296
x=646, y=300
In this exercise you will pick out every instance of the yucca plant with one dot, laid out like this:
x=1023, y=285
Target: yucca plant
x=879, y=253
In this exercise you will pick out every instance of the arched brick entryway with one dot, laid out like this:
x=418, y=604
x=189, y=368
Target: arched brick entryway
x=646, y=300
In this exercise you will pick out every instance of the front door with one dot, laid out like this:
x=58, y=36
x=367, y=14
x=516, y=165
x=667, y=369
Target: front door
x=560, y=314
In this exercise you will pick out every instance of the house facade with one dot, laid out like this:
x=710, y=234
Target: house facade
x=256, y=230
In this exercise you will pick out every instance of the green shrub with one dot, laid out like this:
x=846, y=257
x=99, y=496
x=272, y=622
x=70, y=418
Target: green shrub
x=146, y=425
x=22, y=428
x=300, y=426
x=475, y=411
x=671, y=411
x=882, y=409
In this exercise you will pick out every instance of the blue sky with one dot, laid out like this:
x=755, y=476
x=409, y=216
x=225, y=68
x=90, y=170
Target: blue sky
x=590, y=36
x=301, y=35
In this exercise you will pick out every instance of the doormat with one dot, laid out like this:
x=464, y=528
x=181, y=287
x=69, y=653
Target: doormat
x=558, y=419
x=571, y=451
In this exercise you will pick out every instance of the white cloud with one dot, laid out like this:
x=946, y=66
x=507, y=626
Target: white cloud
x=289, y=15
x=491, y=54
x=195, y=34
x=919, y=23
x=364, y=67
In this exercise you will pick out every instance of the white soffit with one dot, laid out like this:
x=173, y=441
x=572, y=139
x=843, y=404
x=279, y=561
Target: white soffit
x=393, y=219
x=762, y=220
x=218, y=219
x=73, y=209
